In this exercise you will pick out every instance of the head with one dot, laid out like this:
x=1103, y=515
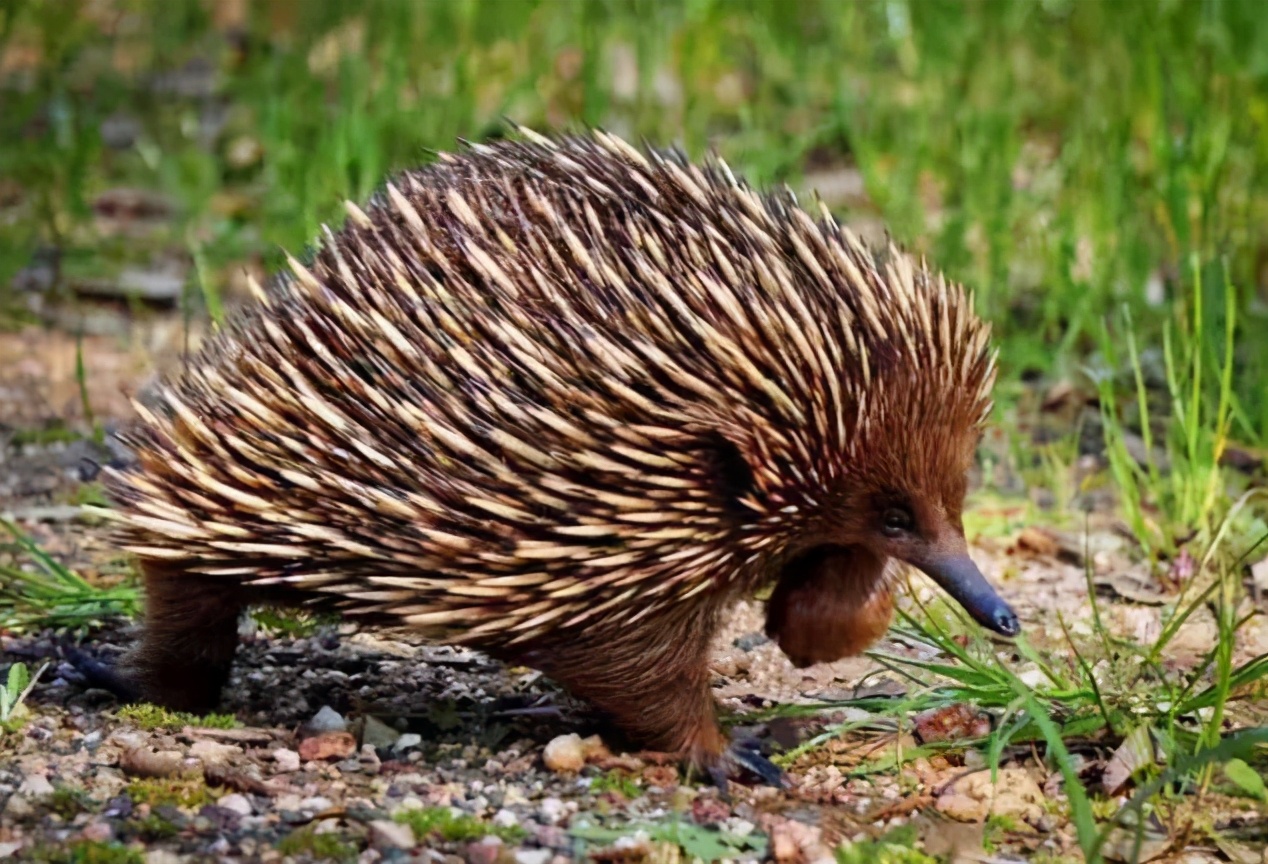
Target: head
x=881, y=467
x=919, y=524
x=834, y=590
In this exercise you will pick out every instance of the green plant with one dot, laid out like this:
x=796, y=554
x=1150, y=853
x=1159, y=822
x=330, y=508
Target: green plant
x=615, y=781
x=149, y=716
x=14, y=691
x=453, y=826
x=51, y=595
x=895, y=847
x=189, y=792
x=320, y=847
x=1191, y=494
x=697, y=841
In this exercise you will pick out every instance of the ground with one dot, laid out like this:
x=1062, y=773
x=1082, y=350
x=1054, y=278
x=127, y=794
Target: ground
x=373, y=725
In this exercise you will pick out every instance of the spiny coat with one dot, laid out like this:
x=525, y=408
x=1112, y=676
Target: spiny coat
x=564, y=400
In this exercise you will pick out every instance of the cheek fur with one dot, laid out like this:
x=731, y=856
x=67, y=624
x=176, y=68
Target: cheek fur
x=831, y=602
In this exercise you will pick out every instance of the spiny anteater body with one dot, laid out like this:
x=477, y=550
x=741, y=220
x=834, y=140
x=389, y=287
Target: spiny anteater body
x=564, y=401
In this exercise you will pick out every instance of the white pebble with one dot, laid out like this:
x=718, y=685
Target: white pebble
x=565, y=754
x=316, y=804
x=287, y=760
x=235, y=802
x=35, y=786
x=532, y=856
x=406, y=741
x=213, y=752
x=505, y=819
x=552, y=810
x=386, y=834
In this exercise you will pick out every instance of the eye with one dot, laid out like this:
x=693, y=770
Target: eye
x=896, y=521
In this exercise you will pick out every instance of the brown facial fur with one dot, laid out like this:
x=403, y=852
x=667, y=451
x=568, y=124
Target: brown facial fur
x=830, y=604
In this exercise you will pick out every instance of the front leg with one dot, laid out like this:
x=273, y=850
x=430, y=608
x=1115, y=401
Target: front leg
x=653, y=681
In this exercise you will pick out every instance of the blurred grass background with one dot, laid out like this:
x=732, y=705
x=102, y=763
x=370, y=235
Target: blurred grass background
x=1084, y=166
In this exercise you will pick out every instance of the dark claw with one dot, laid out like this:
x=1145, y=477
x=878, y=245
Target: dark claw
x=746, y=754
x=102, y=676
x=719, y=773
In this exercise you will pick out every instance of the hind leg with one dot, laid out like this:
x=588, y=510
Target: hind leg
x=186, y=650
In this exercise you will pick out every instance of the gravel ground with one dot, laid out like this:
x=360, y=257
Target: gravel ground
x=359, y=746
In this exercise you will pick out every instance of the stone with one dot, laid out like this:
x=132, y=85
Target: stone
x=973, y=797
x=286, y=760
x=407, y=741
x=326, y=719
x=35, y=786
x=378, y=734
x=386, y=834
x=565, y=754
x=326, y=746
x=236, y=803
x=214, y=753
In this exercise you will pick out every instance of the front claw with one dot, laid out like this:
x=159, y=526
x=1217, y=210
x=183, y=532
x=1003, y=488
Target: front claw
x=744, y=754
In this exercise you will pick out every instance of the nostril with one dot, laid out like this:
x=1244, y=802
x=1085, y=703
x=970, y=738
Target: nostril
x=1007, y=623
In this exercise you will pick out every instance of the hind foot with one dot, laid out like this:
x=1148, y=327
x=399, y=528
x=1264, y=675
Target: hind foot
x=183, y=659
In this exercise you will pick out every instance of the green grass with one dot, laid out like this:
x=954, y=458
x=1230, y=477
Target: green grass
x=188, y=792
x=451, y=826
x=1096, y=689
x=153, y=717
x=39, y=591
x=307, y=844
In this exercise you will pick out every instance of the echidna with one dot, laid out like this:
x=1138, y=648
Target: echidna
x=564, y=400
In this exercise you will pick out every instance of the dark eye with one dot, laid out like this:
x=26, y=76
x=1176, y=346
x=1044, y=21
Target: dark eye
x=895, y=521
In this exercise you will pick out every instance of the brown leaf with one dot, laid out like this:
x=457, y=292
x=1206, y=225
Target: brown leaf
x=957, y=722
x=1136, y=752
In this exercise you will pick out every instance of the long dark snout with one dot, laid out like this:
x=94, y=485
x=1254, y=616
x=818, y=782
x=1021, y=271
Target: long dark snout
x=959, y=577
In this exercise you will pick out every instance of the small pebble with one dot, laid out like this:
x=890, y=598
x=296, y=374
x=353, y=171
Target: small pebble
x=236, y=803
x=565, y=754
x=406, y=741
x=552, y=810
x=35, y=786
x=328, y=745
x=286, y=760
x=213, y=752
x=378, y=734
x=162, y=856
x=17, y=807
x=326, y=719
x=486, y=851
x=101, y=832
x=505, y=819
x=316, y=804
x=386, y=834
x=532, y=856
